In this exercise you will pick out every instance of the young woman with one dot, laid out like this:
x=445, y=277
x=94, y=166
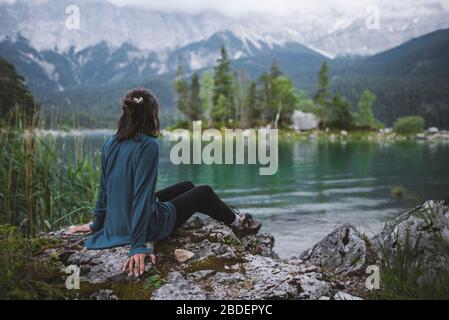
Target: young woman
x=129, y=211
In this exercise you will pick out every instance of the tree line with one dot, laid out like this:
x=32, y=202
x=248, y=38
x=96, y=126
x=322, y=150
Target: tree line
x=222, y=97
x=14, y=94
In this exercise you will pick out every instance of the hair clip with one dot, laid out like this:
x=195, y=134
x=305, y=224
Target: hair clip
x=138, y=100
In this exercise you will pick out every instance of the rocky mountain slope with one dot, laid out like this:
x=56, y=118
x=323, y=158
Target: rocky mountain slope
x=51, y=70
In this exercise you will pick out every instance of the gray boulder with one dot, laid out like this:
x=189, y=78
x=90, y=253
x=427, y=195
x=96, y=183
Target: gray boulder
x=343, y=251
x=304, y=121
x=432, y=130
x=425, y=231
x=179, y=288
x=345, y=296
x=220, y=266
x=103, y=294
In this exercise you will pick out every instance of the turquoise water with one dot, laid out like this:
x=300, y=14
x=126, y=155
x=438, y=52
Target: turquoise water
x=321, y=185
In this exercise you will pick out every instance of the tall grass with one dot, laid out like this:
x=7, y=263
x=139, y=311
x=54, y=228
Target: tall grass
x=408, y=272
x=39, y=189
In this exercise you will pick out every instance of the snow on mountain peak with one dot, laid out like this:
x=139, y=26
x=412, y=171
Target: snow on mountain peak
x=333, y=31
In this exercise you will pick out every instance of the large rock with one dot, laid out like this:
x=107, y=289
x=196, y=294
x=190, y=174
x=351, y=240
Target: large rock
x=103, y=294
x=219, y=266
x=432, y=130
x=344, y=251
x=183, y=255
x=179, y=288
x=345, y=296
x=304, y=121
x=425, y=230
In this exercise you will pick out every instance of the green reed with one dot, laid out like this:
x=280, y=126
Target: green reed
x=41, y=190
x=406, y=271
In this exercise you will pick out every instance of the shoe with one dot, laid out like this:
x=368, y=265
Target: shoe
x=248, y=225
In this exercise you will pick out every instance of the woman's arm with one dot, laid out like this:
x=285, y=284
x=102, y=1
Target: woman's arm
x=145, y=176
x=100, y=208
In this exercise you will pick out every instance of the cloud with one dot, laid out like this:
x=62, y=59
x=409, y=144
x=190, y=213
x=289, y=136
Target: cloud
x=300, y=8
x=275, y=7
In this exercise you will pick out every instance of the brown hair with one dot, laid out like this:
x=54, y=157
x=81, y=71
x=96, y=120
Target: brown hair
x=140, y=115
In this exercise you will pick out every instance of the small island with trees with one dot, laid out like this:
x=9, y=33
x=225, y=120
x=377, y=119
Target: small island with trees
x=225, y=98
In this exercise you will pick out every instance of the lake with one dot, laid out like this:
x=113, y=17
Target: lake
x=319, y=185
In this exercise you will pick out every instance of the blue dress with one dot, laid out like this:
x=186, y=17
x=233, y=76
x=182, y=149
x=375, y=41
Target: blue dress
x=127, y=211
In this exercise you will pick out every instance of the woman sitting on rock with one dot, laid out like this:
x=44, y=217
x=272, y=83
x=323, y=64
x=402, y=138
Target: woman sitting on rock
x=129, y=211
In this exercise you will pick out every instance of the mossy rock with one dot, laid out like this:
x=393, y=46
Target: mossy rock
x=213, y=263
x=24, y=273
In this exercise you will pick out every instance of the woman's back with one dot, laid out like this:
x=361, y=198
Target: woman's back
x=127, y=211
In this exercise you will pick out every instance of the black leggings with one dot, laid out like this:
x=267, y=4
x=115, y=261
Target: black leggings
x=188, y=199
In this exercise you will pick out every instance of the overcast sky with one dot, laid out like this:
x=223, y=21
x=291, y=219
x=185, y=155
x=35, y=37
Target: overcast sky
x=278, y=7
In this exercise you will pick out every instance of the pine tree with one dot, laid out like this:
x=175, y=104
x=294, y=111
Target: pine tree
x=268, y=107
x=241, y=85
x=265, y=97
x=322, y=95
x=275, y=70
x=219, y=112
x=181, y=88
x=341, y=115
x=366, y=117
x=206, y=95
x=14, y=93
x=194, y=109
x=223, y=80
x=251, y=104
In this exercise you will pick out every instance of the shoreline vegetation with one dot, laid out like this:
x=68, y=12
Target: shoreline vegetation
x=40, y=189
x=387, y=134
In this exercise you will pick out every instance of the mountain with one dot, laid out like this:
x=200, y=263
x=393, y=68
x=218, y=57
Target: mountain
x=427, y=55
x=334, y=30
x=93, y=80
x=252, y=57
x=52, y=71
x=411, y=79
x=39, y=74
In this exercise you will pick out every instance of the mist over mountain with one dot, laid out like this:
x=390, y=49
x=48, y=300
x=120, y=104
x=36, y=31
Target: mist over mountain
x=331, y=30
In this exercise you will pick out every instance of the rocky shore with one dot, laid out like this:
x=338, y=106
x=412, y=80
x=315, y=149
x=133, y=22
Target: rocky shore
x=204, y=260
x=431, y=135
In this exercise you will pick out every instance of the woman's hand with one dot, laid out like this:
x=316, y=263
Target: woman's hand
x=81, y=228
x=136, y=264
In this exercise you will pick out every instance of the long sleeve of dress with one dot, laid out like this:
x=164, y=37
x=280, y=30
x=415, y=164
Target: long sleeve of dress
x=144, y=184
x=100, y=208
